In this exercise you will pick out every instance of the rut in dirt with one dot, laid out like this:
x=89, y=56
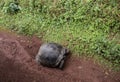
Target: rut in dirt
x=17, y=64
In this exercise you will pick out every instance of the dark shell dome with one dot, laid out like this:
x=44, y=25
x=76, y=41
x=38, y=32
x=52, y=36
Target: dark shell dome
x=51, y=55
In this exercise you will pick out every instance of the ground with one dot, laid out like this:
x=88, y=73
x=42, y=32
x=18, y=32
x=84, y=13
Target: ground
x=17, y=64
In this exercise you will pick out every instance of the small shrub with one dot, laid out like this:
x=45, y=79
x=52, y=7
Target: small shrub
x=13, y=8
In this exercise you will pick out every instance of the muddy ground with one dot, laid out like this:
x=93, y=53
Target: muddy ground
x=17, y=64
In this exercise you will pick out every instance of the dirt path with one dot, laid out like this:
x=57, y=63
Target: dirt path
x=17, y=64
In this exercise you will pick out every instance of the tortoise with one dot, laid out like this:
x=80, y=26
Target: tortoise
x=52, y=55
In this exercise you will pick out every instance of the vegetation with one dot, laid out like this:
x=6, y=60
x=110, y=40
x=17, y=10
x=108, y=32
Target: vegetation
x=87, y=27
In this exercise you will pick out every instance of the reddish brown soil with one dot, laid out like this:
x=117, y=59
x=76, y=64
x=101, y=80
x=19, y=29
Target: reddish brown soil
x=17, y=64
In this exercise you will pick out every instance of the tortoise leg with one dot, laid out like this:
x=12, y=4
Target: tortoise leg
x=61, y=64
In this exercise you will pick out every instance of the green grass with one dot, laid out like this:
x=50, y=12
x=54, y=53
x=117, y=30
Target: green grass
x=87, y=27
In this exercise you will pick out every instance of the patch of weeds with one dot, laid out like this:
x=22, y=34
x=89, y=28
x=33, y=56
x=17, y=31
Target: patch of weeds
x=109, y=50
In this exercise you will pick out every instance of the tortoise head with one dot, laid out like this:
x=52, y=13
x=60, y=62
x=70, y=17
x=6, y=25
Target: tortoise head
x=65, y=51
